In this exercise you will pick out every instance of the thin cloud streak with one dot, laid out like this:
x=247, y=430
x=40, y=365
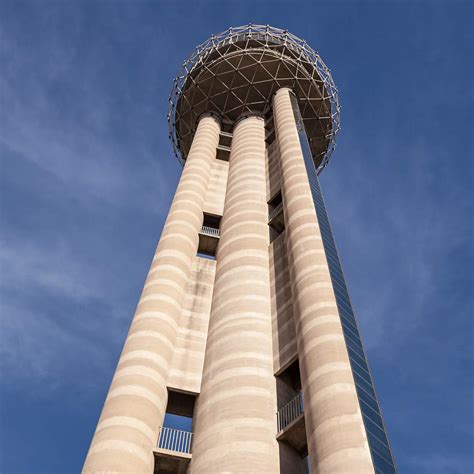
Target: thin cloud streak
x=78, y=142
x=44, y=294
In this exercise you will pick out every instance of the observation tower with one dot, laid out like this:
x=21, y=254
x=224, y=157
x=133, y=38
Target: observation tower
x=244, y=355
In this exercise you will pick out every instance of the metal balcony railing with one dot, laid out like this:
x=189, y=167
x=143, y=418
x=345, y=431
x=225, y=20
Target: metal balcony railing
x=289, y=412
x=210, y=231
x=275, y=212
x=175, y=440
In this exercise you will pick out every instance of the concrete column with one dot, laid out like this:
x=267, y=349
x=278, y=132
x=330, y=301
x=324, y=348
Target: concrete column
x=337, y=442
x=134, y=409
x=235, y=422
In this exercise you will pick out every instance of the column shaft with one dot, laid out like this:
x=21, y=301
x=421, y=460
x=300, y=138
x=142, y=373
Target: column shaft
x=235, y=414
x=337, y=442
x=136, y=402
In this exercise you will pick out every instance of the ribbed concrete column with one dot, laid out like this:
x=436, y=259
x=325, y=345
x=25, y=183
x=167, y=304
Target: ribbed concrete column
x=337, y=442
x=134, y=409
x=235, y=416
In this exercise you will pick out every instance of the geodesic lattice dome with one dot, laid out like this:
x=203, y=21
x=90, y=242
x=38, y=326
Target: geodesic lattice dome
x=237, y=72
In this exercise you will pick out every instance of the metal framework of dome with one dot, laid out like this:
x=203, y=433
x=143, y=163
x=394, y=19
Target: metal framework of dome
x=236, y=73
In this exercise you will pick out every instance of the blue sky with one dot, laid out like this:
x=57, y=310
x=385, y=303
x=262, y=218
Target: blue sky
x=87, y=175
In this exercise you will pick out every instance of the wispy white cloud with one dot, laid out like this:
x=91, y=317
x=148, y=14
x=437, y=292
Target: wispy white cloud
x=445, y=463
x=53, y=308
x=57, y=294
x=89, y=165
x=74, y=138
x=394, y=233
x=52, y=268
x=39, y=356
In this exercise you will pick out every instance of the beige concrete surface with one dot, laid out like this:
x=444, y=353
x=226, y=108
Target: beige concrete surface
x=135, y=405
x=283, y=324
x=336, y=436
x=235, y=413
x=272, y=169
x=188, y=356
x=215, y=195
x=222, y=329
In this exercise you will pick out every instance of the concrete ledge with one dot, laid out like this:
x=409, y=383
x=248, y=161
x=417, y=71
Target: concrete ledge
x=295, y=435
x=171, y=462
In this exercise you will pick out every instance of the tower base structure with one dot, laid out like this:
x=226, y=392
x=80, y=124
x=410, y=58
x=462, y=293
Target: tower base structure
x=245, y=329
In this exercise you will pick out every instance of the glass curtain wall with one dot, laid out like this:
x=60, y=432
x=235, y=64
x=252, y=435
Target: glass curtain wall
x=376, y=434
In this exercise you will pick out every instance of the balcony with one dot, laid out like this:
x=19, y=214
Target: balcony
x=291, y=425
x=208, y=240
x=173, y=451
x=275, y=212
x=210, y=231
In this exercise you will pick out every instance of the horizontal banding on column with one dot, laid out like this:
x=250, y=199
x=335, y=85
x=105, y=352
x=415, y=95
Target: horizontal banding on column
x=234, y=386
x=320, y=342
